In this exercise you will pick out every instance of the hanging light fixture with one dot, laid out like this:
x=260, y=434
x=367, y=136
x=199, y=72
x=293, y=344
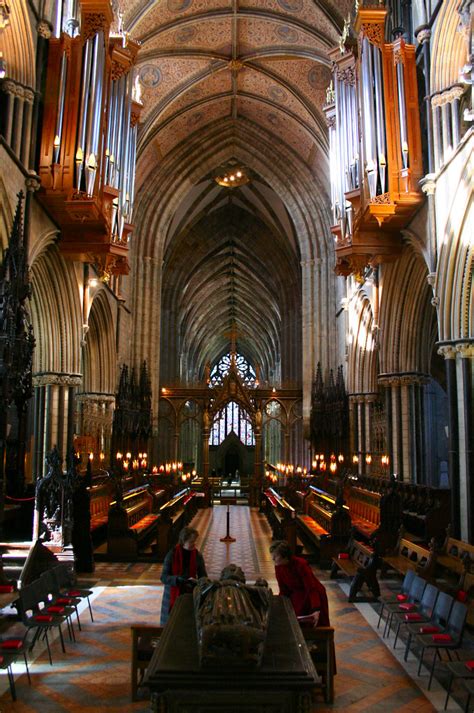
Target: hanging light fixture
x=232, y=177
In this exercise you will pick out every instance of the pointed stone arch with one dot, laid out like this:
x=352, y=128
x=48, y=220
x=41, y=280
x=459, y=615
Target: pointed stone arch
x=99, y=354
x=407, y=317
x=56, y=314
x=362, y=360
x=305, y=200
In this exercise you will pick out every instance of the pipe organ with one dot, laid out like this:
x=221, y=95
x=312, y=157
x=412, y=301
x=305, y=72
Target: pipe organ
x=88, y=149
x=375, y=143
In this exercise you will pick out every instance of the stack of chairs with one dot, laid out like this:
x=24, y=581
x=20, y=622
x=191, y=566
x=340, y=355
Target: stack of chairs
x=47, y=603
x=433, y=620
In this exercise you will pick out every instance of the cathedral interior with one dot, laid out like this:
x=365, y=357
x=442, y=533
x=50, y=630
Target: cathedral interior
x=237, y=266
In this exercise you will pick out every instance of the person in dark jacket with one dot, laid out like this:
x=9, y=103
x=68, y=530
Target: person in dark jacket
x=182, y=567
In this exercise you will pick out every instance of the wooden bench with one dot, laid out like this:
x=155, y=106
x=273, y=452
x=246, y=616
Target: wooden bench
x=144, y=641
x=101, y=498
x=131, y=523
x=425, y=510
x=173, y=516
x=455, y=556
x=410, y=555
x=325, y=522
x=364, y=508
x=281, y=517
x=320, y=643
x=360, y=563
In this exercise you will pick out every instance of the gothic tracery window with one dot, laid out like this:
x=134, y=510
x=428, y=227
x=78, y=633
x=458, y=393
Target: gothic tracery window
x=232, y=418
x=222, y=368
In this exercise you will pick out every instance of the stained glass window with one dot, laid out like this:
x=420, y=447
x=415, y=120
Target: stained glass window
x=221, y=369
x=232, y=418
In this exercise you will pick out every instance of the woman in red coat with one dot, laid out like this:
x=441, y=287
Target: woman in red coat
x=297, y=582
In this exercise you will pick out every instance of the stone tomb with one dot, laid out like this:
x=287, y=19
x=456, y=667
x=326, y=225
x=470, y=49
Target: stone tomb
x=282, y=683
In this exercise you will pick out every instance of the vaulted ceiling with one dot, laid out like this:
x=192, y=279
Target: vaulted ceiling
x=255, y=71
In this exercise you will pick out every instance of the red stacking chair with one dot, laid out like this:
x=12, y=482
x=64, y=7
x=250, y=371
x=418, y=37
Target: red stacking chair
x=449, y=640
x=415, y=595
x=401, y=596
x=421, y=613
x=437, y=623
x=6, y=661
x=33, y=613
x=67, y=587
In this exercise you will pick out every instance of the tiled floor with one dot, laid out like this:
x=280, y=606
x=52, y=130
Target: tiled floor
x=95, y=671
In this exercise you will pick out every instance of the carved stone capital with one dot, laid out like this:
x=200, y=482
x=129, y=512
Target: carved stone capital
x=466, y=350
x=9, y=86
x=29, y=95
x=448, y=95
x=307, y=263
x=33, y=182
x=431, y=278
x=56, y=379
x=428, y=184
x=413, y=379
x=43, y=28
x=423, y=34
x=389, y=380
x=448, y=351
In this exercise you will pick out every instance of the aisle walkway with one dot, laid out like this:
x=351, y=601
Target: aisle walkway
x=96, y=671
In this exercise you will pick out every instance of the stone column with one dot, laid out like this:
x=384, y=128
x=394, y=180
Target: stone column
x=465, y=385
x=352, y=425
x=423, y=36
x=369, y=400
x=25, y=149
x=361, y=434
x=394, y=384
x=9, y=88
x=436, y=135
x=307, y=319
x=18, y=126
x=449, y=353
x=53, y=413
x=205, y=443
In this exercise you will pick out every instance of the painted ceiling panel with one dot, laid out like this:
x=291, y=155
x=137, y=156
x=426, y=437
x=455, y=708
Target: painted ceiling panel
x=276, y=121
x=212, y=85
x=254, y=82
x=160, y=78
x=190, y=121
x=209, y=35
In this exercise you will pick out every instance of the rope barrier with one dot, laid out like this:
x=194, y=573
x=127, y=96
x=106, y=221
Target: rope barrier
x=19, y=500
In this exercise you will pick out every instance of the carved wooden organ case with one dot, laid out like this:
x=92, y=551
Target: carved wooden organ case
x=375, y=144
x=88, y=148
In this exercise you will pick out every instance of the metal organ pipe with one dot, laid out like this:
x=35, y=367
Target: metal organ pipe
x=402, y=113
x=91, y=88
x=83, y=109
x=97, y=113
x=118, y=130
x=60, y=109
x=380, y=117
x=369, y=118
x=133, y=158
x=339, y=151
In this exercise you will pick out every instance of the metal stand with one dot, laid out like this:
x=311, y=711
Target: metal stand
x=228, y=537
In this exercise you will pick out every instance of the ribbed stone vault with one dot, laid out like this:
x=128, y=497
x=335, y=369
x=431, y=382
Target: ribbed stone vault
x=231, y=268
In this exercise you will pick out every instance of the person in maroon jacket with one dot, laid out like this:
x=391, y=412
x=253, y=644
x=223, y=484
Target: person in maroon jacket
x=297, y=582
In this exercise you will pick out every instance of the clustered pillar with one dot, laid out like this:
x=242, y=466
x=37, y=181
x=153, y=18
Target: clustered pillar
x=460, y=383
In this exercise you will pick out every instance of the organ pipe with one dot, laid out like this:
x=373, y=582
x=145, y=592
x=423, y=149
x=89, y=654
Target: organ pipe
x=374, y=176
x=88, y=150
